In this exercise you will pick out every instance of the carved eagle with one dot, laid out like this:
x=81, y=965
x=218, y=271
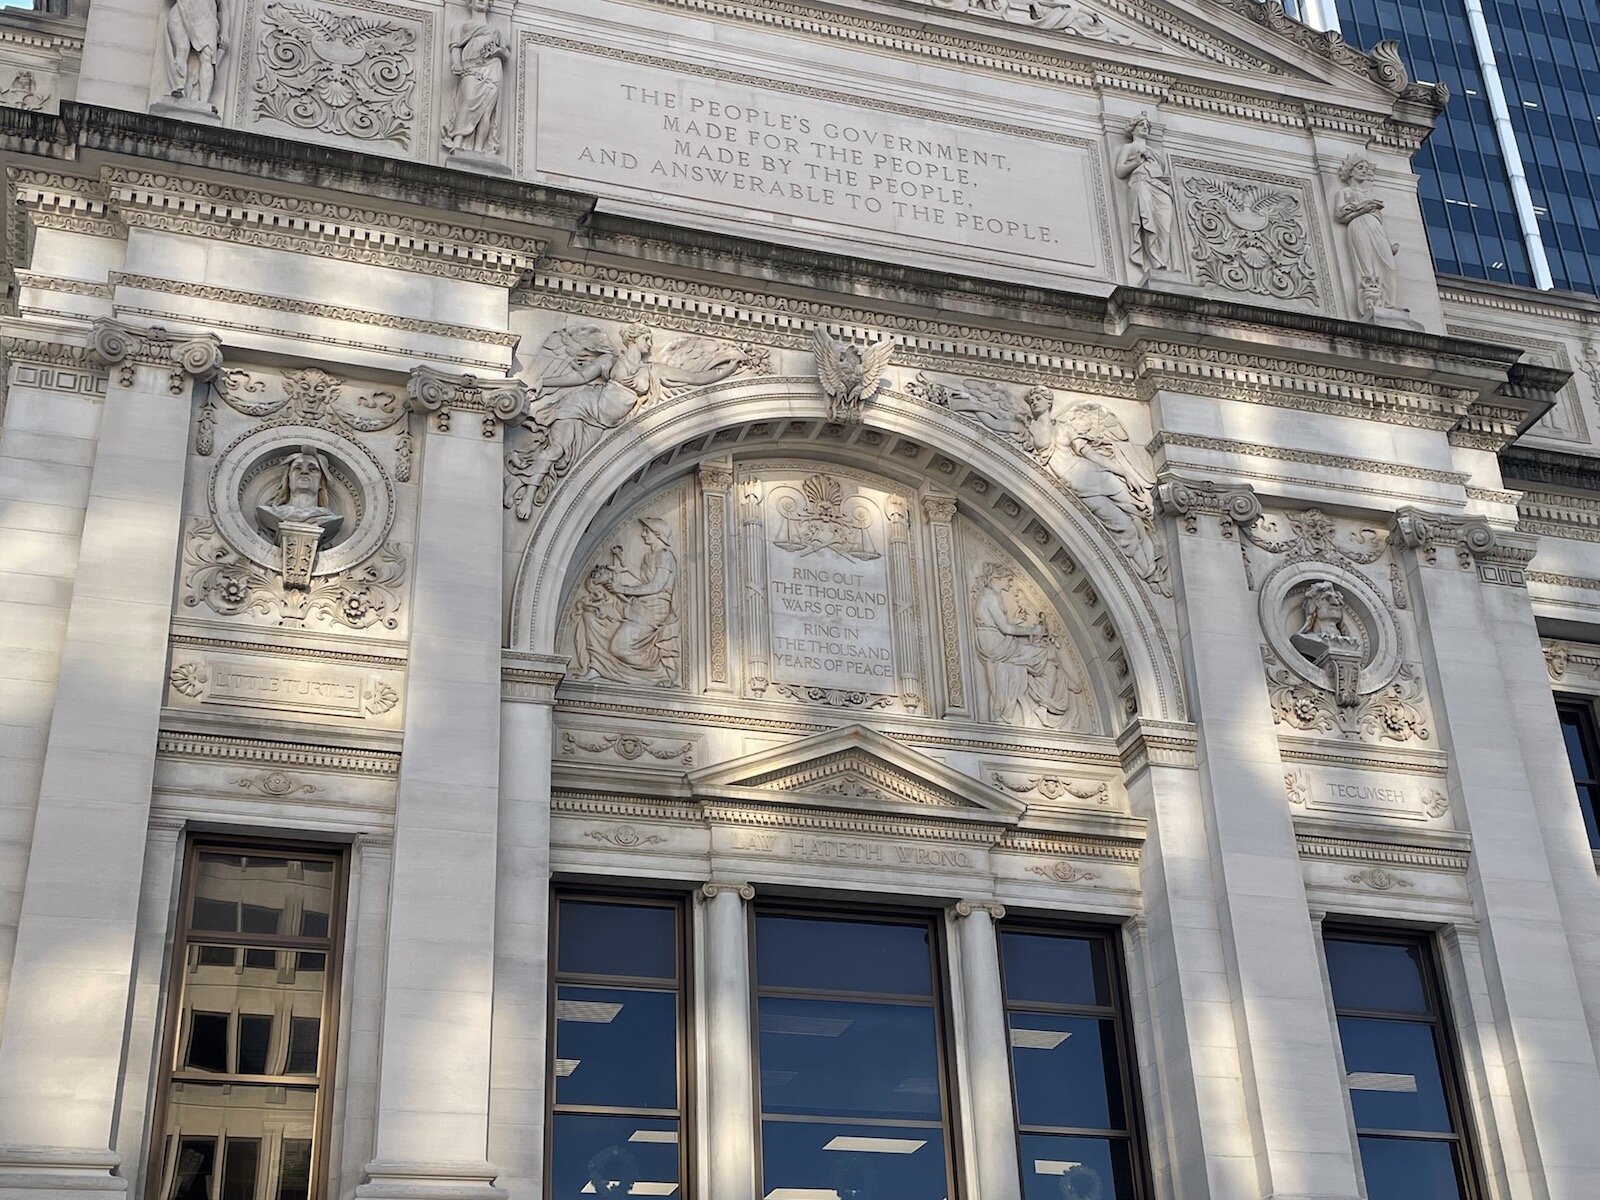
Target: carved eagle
x=849, y=374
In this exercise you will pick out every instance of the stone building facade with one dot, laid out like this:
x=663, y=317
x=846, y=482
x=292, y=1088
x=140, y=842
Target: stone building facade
x=747, y=599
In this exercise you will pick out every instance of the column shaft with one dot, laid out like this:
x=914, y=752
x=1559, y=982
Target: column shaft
x=1294, y=1089
x=994, y=1132
x=522, y=934
x=1550, y=1058
x=730, y=1089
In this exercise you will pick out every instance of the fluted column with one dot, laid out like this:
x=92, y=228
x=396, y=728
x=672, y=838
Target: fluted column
x=438, y=995
x=1480, y=649
x=988, y=1051
x=62, y=1047
x=730, y=1084
x=1294, y=1089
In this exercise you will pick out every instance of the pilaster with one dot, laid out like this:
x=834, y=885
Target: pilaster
x=522, y=922
x=730, y=1088
x=60, y=1065
x=438, y=994
x=1482, y=659
x=1202, y=1134
x=989, y=1101
x=1294, y=1090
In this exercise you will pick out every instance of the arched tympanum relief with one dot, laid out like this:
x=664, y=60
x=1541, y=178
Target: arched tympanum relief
x=802, y=581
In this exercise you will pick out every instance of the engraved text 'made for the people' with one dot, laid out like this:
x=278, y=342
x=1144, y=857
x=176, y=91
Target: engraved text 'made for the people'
x=802, y=161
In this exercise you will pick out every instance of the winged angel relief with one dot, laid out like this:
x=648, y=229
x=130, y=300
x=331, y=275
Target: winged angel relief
x=587, y=381
x=337, y=73
x=1084, y=446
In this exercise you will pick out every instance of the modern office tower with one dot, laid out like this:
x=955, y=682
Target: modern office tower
x=792, y=600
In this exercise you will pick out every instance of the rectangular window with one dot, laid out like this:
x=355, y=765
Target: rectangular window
x=1583, y=753
x=1066, y=1022
x=618, y=1072
x=1399, y=1066
x=852, y=1056
x=242, y=1106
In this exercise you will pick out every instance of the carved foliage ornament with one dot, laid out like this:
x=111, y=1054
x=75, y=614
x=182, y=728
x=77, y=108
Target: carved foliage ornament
x=350, y=74
x=1250, y=237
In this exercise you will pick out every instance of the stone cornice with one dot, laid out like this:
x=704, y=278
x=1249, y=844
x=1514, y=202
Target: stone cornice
x=1505, y=297
x=531, y=677
x=1552, y=468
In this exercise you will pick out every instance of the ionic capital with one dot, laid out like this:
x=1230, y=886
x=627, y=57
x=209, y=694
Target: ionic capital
x=182, y=356
x=966, y=908
x=499, y=401
x=717, y=888
x=1184, y=500
x=1500, y=555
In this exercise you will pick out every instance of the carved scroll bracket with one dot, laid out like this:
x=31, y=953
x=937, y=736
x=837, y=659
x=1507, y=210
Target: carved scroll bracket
x=181, y=356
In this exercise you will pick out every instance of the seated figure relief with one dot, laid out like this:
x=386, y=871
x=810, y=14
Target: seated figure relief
x=1030, y=677
x=625, y=621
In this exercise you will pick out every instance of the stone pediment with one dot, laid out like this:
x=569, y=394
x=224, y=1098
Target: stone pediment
x=852, y=765
x=1245, y=35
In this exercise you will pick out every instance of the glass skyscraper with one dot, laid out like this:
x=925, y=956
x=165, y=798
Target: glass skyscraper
x=1511, y=177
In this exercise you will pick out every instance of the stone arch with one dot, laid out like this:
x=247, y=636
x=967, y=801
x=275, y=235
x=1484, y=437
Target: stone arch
x=994, y=485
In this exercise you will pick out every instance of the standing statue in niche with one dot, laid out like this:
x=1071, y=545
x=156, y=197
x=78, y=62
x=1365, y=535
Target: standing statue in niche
x=478, y=60
x=1376, y=258
x=194, y=48
x=1030, y=677
x=299, y=517
x=1150, y=200
x=625, y=623
x=1085, y=450
x=587, y=382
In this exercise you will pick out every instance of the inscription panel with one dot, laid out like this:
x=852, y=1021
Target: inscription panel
x=762, y=152
x=1322, y=792
x=851, y=851
x=296, y=688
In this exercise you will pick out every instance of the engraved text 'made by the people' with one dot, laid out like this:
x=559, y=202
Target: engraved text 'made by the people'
x=792, y=159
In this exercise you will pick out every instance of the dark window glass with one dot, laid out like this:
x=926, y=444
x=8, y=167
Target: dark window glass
x=304, y=1034
x=255, y=1036
x=1398, y=1067
x=1583, y=753
x=844, y=956
x=208, y=1042
x=191, y=1176
x=1067, y=1034
x=242, y=1098
x=294, y=1180
x=618, y=941
x=851, y=1054
x=618, y=1020
x=240, y=1162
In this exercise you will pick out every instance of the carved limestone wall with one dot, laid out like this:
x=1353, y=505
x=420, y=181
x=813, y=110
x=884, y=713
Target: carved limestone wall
x=292, y=594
